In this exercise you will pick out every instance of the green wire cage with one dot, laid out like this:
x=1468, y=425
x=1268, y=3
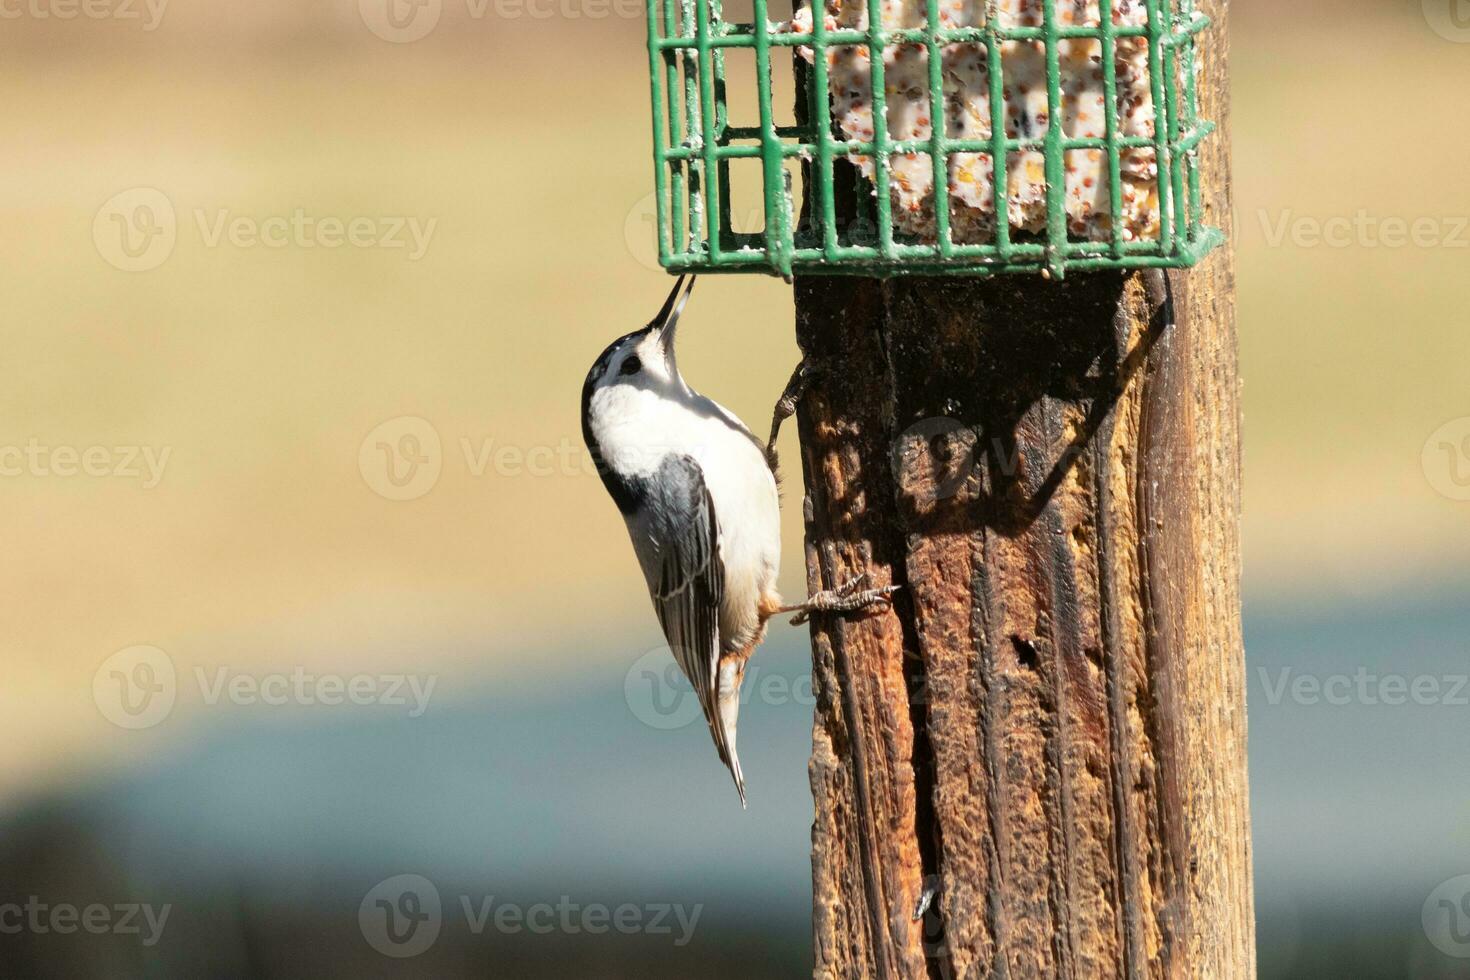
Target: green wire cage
x=1095, y=167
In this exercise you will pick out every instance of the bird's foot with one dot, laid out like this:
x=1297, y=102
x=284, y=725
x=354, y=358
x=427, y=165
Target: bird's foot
x=801, y=379
x=850, y=596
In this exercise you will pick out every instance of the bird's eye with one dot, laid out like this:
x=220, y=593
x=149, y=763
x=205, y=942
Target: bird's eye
x=631, y=366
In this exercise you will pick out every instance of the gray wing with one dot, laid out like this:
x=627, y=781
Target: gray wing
x=687, y=579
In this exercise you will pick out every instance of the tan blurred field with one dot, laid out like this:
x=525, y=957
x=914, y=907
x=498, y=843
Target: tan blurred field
x=262, y=370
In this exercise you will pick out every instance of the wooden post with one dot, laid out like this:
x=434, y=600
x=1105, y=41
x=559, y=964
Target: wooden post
x=1049, y=727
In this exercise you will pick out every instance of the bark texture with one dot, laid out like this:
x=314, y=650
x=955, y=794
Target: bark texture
x=1049, y=726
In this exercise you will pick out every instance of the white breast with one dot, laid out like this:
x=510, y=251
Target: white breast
x=636, y=428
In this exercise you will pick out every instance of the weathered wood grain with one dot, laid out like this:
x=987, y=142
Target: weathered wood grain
x=1049, y=724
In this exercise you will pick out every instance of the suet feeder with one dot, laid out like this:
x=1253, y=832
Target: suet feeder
x=1094, y=167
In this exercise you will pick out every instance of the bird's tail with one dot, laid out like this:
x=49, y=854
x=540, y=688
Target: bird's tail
x=722, y=725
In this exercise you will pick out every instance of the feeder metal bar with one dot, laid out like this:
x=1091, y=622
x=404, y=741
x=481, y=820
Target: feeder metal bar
x=688, y=39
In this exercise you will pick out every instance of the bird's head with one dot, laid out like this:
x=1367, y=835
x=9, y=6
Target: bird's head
x=645, y=358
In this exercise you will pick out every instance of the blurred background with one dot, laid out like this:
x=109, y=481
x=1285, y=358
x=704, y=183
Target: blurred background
x=312, y=587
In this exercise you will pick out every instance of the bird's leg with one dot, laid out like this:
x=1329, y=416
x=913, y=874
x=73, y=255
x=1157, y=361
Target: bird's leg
x=850, y=596
x=801, y=378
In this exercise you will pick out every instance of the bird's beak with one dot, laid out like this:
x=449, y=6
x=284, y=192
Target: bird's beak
x=667, y=320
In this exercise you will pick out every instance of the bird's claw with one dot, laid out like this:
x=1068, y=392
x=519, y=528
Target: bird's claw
x=796, y=388
x=850, y=596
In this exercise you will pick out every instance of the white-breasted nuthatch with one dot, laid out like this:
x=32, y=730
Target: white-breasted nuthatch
x=700, y=501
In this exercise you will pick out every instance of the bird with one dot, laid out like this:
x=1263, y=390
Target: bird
x=700, y=498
